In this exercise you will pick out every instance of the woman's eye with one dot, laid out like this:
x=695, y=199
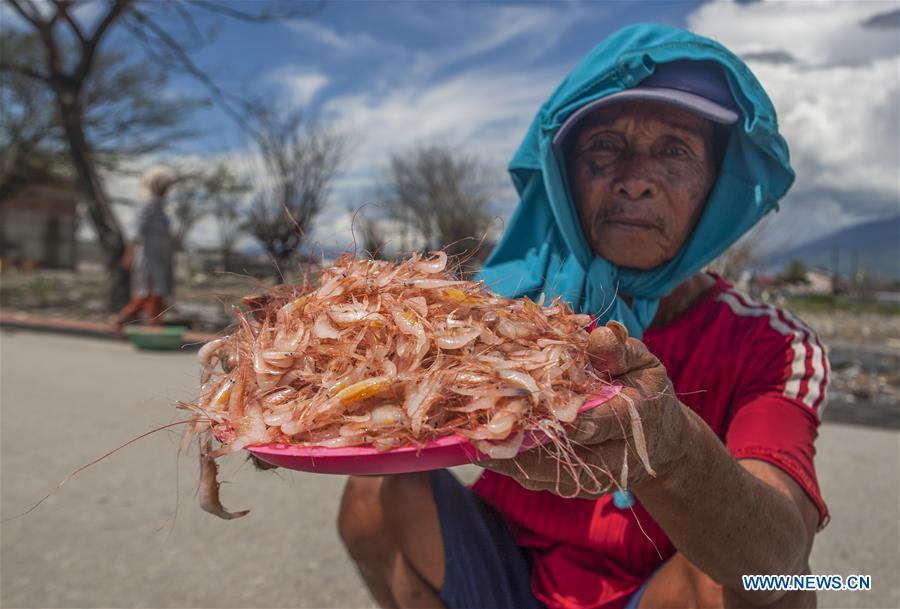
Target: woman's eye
x=603, y=146
x=675, y=151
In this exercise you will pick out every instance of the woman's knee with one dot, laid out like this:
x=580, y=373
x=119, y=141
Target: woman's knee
x=411, y=515
x=403, y=496
x=382, y=518
x=373, y=505
x=360, y=518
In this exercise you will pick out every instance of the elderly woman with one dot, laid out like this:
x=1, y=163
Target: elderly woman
x=658, y=151
x=150, y=253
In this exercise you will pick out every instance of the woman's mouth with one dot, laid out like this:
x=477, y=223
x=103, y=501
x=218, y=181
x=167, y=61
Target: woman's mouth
x=630, y=223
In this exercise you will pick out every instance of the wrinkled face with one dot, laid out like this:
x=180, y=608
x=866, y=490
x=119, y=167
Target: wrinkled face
x=639, y=175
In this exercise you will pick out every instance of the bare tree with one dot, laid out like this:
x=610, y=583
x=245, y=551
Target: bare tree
x=186, y=199
x=28, y=126
x=369, y=234
x=70, y=55
x=300, y=159
x=441, y=194
x=66, y=75
x=123, y=113
x=208, y=192
x=226, y=191
x=374, y=240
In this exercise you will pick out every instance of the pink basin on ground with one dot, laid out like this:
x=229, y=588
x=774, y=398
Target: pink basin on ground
x=365, y=460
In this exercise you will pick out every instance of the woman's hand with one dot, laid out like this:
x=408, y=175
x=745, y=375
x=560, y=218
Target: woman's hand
x=641, y=426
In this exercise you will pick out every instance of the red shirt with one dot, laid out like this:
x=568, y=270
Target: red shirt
x=755, y=373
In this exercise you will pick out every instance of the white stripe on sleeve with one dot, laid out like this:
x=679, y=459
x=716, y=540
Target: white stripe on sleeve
x=803, y=342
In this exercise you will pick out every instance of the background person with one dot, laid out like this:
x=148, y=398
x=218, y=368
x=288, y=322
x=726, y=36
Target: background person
x=150, y=254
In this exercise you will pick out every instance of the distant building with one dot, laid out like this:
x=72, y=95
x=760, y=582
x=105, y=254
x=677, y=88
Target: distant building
x=820, y=282
x=38, y=223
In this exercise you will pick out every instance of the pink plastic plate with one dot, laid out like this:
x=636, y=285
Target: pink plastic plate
x=364, y=460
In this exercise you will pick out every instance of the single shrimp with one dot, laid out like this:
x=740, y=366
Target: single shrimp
x=458, y=339
x=637, y=433
x=501, y=450
x=209, y=357
x=522, y=379
x=419, y=400
x=208, y=493
x=435, y=264
x=501, y=423
x=432, y=284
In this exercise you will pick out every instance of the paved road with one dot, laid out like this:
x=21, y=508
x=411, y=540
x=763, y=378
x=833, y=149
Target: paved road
x=112, y=537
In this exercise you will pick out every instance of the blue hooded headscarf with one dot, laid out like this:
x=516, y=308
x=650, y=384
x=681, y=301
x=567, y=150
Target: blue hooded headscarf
x=544, y=248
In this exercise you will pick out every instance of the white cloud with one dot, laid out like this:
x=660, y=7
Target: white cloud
x=815, y=32
x=457, y=110
x=322, y=34
x=497, y=26
x=837, y=104
x=485, y=113
x=302, y=86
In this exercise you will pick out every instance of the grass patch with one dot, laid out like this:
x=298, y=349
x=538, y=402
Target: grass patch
x=41, y=287
x=823, y=303
x=36, y=290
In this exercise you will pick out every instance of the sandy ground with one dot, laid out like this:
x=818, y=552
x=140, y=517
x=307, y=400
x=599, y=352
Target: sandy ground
x=127, y=532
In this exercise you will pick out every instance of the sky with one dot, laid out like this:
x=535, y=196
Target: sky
x=392, y=75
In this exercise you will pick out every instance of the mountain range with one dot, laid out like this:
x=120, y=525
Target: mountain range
x=872, y=246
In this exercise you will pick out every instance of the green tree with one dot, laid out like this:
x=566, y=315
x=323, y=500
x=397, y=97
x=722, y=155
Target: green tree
x=795, y=272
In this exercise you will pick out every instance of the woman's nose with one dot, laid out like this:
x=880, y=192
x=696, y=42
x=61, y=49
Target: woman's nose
x=636, y=186
x=633, y=182
x=636, y=189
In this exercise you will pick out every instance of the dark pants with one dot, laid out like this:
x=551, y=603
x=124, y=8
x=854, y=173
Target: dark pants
x=485, y=569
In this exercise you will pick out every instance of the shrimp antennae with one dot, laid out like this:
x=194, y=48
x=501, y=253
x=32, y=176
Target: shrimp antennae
x=87, y=465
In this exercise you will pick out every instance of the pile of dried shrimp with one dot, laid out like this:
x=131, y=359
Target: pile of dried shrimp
x=388, y=354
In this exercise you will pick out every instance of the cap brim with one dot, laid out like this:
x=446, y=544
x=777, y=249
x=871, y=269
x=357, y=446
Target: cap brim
x=673, y=97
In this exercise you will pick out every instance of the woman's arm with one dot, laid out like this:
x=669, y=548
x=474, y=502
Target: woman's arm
x=725, y=517
x=728, y=518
